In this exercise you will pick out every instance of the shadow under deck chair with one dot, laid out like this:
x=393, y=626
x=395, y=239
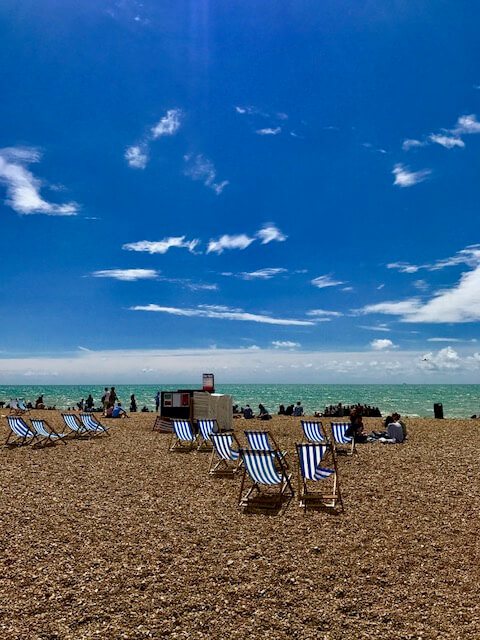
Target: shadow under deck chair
x=92, y=425
x=20, y=429
x=183, y=436
x=260, y=441
x=342, y=443
x=225, y=459
x=206, y=428
x=40, y=428
x=77, y=430
x=310, y=459
x=267, y=471
x=314, y=432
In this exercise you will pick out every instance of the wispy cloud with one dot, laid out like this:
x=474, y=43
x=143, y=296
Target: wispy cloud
x=269, y=131
x=168, y=125
x=127, y=275
x=444, y=340
x=467, y=125
x=239, y=241
x=469, y=256
x=260, y=274
x=326, y=281
x=449, y=142
x=200, y=168
x=161, y=246
x=404, y=267
x=23, y=188
x=376, y=327
x=382, y=344
x=137, y=155
x=221, y=313
x=285, y=344
x=323, y=313
x=406, y=178
x=447, y=138
x=411, y=143
x=269, y=233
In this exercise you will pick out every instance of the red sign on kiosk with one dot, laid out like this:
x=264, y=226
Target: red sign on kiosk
x=209, y=382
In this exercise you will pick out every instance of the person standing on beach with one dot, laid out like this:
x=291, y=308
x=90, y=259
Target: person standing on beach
x=111, y=397
x=133, y=404
x=157, y=401
x=104, y=401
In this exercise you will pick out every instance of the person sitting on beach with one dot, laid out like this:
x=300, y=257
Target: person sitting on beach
x=263, y=413
x=298, y=410
x=396, y=428
x=248, y=413
x=289, y=410
x=118, y=411
x=39, y=404
x=281, y=410
x=89, y=403
x=355, y=429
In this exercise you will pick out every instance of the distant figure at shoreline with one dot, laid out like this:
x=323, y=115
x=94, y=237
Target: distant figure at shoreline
x=133, y=404
x=248, y=413
x=298, y=410
x=39, y=404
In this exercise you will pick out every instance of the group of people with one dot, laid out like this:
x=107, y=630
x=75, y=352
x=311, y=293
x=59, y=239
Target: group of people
x=341, y=411
x=263, y=414
x=395, y=428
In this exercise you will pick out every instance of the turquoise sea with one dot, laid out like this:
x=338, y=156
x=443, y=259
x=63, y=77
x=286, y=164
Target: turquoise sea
x=459, y=401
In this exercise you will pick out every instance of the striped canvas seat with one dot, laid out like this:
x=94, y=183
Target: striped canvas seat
x=265, y=470
x=17, y=407
x=183, y=436
x=342, y=443
x=313, y=431
x=206, y=428
x=21, y=432
x=313, y=469
x=77, y=430
x=260, y=441
x=225, y=455
x=40, y=427
x=92, y=424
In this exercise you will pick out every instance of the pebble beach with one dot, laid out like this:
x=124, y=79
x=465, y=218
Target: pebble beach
x=116, y=537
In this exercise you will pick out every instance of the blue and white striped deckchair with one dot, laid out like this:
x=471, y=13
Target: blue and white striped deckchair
x=206, y=428
x=225, y=458
x=183, y=436
x=265, y=469
x=77, y=430
x=260, y=441
x=341, y=440
x=92, y=425
x=314, y=432
x=23, y=433
x=40, y=428
x=311, y=469
x=17, y=407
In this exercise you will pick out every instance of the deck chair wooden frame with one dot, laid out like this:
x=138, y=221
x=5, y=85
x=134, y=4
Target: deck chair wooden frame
x=265, y=470
x=312, y=470
x=22, y=433
x=92, y=425
x=314, y=432
x=206, y=426
x=225, y=459
x=183, y=437
x=162, y=425
x=40, y=428
x=342, y=444
x=262, y=440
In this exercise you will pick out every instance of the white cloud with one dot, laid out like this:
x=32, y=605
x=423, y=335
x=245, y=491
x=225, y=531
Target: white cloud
x=447, y=141
x=412, y=144
x=445, y=359
x=404, y=267
x=168, y=125
x=200, y=168
x=127, y=275
x=458, y=304
x=269, y=233
x=261, y=274
x=382, y=344
x=161, y=246
x=269, y=131
x=406, y=178
x=23, y=188
x=319, y=313
x=285, y=344
x=376, y=327
x=221, y=313
x=326, y=281
x=136, y=156
x=240, y=241
x=467, y=125
x=421, y=285
x=444, y=340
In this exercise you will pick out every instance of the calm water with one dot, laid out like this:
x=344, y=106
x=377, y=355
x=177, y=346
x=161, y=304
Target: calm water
x=458, y=400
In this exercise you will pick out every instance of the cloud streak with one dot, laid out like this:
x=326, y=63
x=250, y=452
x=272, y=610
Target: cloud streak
x=161, y=246
x=200, y=168
x=406, y=178
x=137, y=155
x=322, y=282
x=127, y=275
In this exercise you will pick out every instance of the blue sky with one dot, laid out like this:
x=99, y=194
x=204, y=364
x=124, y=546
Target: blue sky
x=277, y=191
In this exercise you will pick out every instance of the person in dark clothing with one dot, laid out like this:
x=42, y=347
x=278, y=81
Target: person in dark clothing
x=355, y=430
x=89, y=402
x=133, y=404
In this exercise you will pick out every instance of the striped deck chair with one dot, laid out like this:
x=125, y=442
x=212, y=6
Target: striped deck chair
x=260, y=441
x=266, y=470
x=183, y=436
x=17, y=407
x=314, y=432
x=23, y=433
x=77, y=430
x=40, y=428
x=341, y=442
x=225, y=459
x=206, y=428
x=310, y=459
x=92, y=425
